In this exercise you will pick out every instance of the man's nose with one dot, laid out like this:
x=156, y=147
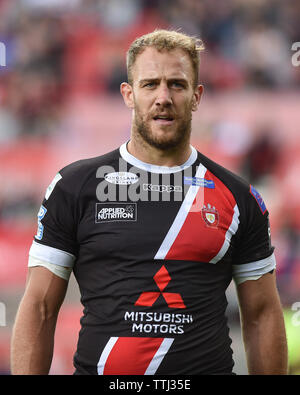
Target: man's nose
x=163, y=97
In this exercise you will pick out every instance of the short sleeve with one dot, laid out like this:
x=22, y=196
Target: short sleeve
x=55, y=240
x=254, y=254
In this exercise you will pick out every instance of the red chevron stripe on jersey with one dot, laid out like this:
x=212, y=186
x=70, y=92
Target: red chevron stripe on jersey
x=133, y=355
x=202, y=234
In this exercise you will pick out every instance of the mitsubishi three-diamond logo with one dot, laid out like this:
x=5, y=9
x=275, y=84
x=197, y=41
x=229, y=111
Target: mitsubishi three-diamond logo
x=162, y=279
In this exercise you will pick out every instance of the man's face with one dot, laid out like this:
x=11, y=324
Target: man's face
x=162, y=97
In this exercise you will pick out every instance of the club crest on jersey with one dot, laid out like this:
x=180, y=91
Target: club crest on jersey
x=210, y=215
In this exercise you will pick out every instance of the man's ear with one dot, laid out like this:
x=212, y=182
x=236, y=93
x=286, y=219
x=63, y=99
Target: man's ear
x=127, y=93
x=197, y=97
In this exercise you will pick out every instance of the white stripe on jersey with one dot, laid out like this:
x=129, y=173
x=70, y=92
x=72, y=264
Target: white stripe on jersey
x=185, y=208
x=153, y=364
x=105, y=354
x=159, y=356
x=230, y=232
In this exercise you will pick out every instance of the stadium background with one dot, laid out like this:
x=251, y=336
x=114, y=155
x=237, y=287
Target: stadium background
x=60, y=101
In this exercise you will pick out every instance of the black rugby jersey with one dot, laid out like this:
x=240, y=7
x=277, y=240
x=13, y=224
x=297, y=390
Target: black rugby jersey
x=153, y=250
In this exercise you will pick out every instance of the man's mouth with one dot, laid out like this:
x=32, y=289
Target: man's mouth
x=163, y=119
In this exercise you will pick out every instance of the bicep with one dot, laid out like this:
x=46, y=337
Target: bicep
x=44, y=288
x=258, y=296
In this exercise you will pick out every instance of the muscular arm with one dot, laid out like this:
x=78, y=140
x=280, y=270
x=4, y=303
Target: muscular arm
x=33, y=333
x=263, y=326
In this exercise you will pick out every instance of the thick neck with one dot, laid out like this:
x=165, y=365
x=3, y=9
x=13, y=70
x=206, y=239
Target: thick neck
x=155, y=168
x=143, y=151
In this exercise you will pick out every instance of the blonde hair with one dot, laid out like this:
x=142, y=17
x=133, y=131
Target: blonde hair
x=167, y=40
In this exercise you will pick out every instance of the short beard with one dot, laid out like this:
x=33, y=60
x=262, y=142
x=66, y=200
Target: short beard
x=182, y=134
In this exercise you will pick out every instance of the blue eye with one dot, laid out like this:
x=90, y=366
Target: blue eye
x=177, y=84
x=149, y=85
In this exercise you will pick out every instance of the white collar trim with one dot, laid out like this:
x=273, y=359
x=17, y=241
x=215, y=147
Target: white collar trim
x=155, y=168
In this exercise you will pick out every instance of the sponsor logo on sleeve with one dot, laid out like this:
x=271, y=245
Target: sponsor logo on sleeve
x=41, y=215
x=258, y=198
x=52, y=185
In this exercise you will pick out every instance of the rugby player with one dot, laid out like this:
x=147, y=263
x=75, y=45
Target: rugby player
x=154, y=232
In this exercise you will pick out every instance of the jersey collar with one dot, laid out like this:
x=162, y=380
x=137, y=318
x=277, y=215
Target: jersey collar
x=154, y=168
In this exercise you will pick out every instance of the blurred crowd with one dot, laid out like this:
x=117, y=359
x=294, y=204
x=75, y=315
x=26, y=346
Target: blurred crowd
x=60, y=48
x=65, y=60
